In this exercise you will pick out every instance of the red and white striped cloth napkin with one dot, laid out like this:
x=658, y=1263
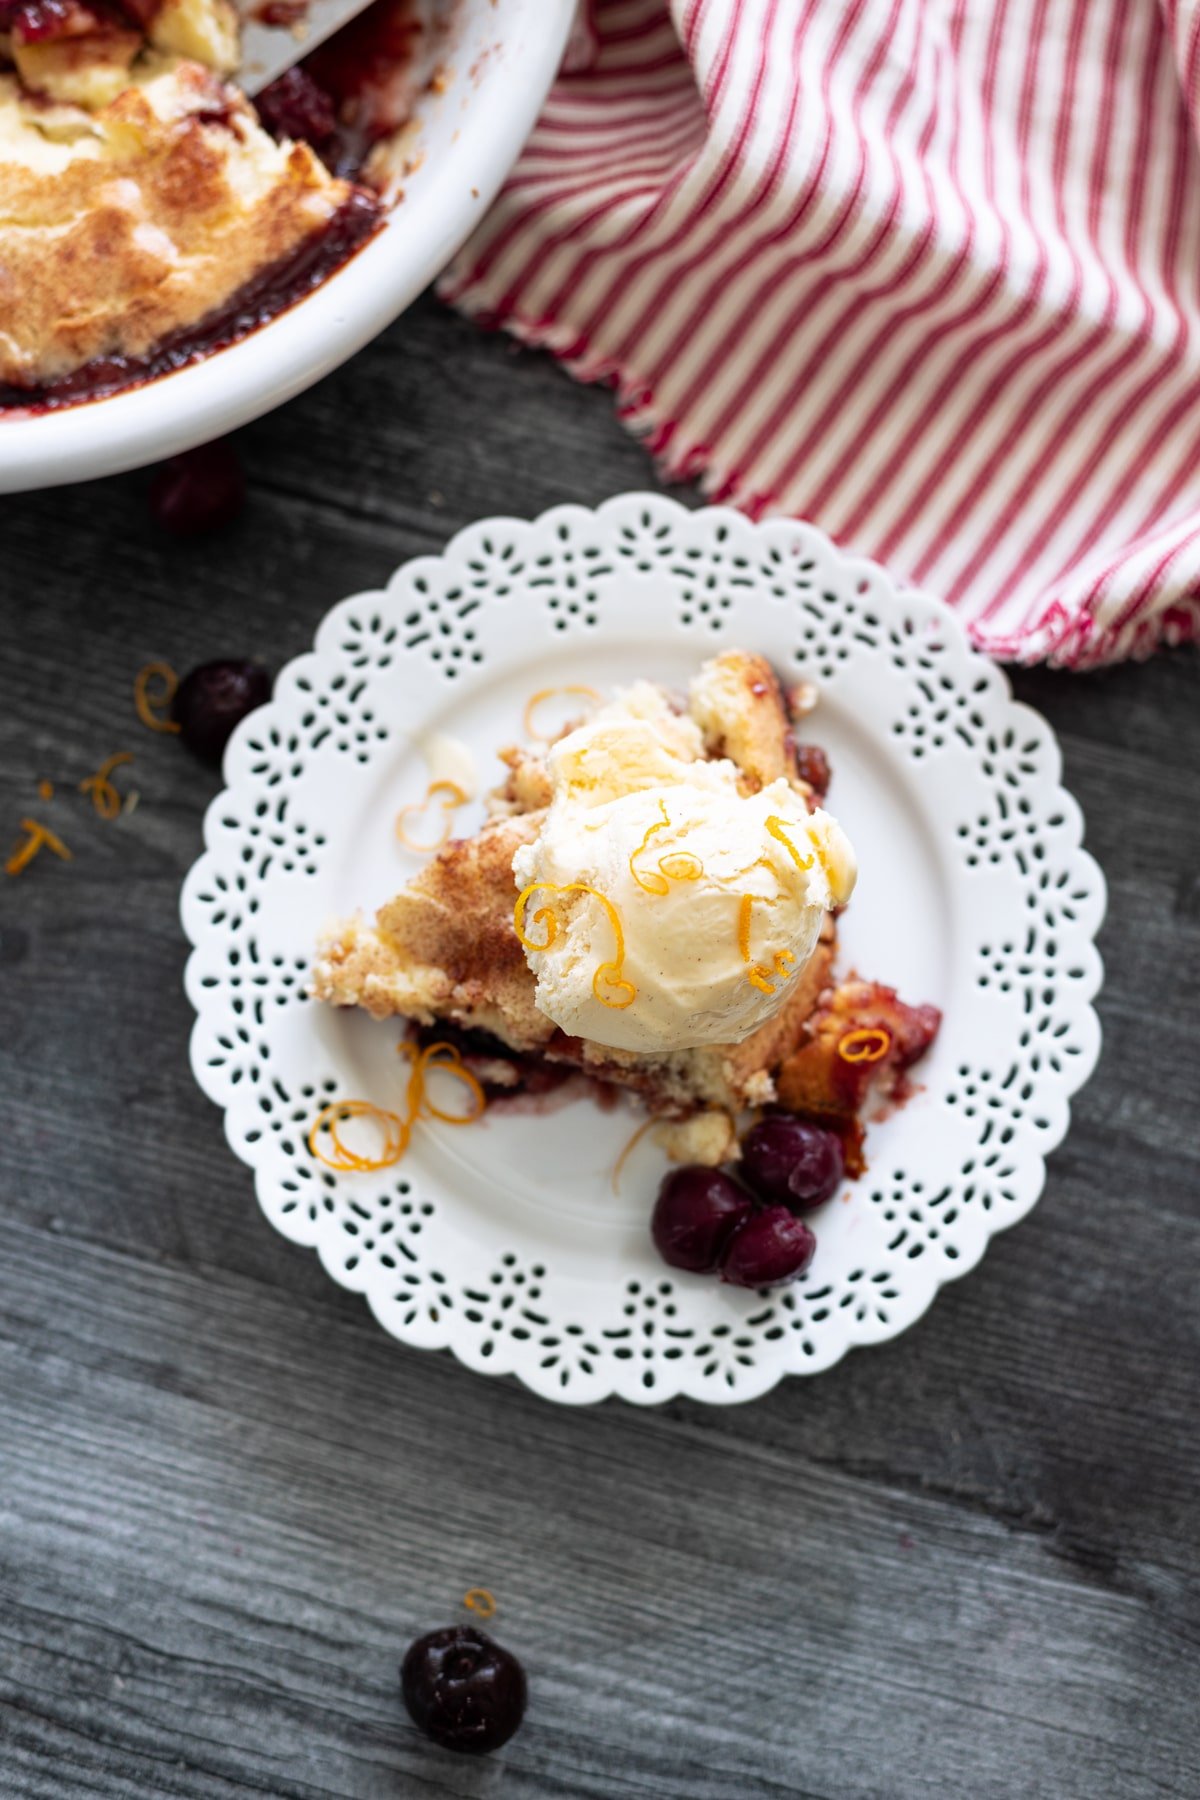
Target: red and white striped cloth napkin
x=924, y=271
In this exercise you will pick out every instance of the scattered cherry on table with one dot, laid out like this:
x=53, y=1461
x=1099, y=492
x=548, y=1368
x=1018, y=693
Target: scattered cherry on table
x=464, y=1690
x=200, y=490
x=215, y=697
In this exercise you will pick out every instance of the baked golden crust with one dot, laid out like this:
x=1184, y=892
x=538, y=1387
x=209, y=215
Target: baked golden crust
x=121, y=226
x=526, y=787
x=444, y=947
x=739, y=706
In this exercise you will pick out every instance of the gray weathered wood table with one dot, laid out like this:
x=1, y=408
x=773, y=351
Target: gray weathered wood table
x=963, y=1564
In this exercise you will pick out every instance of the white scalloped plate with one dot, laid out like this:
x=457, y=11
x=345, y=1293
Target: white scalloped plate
x=504, y=1241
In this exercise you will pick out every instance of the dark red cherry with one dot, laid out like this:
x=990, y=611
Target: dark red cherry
x=791, y=1162
x=463, y=1689
x=198, y=491
x=812, y=766
x=696, y=1211
x=770, y=1247
x=295, y=107
x=213, y=699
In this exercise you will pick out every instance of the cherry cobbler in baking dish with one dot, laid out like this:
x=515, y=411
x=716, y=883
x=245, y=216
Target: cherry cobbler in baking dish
x=150, y=212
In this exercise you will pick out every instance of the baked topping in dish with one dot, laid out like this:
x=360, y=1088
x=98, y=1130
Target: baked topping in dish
x=460, y=953
x=147, y=212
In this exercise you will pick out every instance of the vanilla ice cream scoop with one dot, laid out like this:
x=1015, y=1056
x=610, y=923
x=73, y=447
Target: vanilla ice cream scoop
x=659, y=907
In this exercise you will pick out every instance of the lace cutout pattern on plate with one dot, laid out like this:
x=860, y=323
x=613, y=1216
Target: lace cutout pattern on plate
x=1019, y=1038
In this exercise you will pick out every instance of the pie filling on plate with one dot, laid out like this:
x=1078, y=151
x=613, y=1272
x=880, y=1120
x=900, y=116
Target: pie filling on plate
x=652, y=903
x=149, y=212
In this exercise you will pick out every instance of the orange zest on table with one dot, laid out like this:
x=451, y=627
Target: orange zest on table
x=481, y=1601
x=535, y=700
x=867, y=1045
x=608, y=974
x=397, y=1128
x=40, y=837
x=105, y=798
x=152, y=708
x=449, y=806
x=46, y=790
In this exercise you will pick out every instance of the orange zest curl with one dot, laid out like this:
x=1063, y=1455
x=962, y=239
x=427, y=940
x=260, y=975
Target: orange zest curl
x=535, y=700
x=654, y=884
x=396, y=1131
x=756, y=975
x=46, y=790
x=631, y=1146
x=105, y=798
x=865, y=1046
x=481, y=1601
x=152, y=707
x=744, y=914
x=39, y=836
x=764, y=979
x=775, y=826
x=446, y=1060
x=449, y=806
x=820, y=853
x=677, y=865
x=681, y=865
x=822, y=857
x=608, y=974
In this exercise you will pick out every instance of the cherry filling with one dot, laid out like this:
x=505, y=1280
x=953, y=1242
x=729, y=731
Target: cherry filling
x=499, y=1070
x=352, y=90
x=865, y=1038
x=295, y=107
x=812, y=766
x=281, y=12
x=44, y=21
